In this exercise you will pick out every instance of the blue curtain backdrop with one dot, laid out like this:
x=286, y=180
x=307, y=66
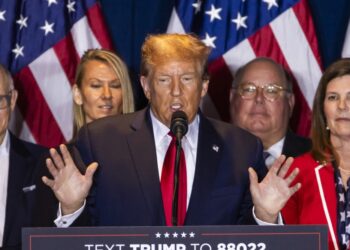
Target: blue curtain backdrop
x=129, y=21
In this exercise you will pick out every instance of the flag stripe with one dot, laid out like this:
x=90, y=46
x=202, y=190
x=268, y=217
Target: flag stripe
x=264, y=44
x=239, y=55
x=303, y=14
x=68, y=56
x=56, y=90
x=175, y=25
x=35, y=111
x=346, y=47
x=299, y=56
x=98, y=26
x=83, y=37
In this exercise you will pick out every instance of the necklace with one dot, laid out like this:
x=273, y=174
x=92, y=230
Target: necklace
x=346, y=171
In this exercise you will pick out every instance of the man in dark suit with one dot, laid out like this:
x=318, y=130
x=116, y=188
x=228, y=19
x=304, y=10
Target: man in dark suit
x=262, y=103
x=127, y=188
x=17, y=162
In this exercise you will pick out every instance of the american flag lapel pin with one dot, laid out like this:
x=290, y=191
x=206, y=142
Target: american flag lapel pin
x=216, y=148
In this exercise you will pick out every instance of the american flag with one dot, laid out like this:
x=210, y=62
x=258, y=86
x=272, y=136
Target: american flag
x=240, y=30
x=41, y=42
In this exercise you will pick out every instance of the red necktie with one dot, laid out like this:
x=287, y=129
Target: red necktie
x=167, y=184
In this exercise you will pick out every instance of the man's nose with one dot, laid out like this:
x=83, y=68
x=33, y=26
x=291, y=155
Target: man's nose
x=176, y=87
x=259, y=95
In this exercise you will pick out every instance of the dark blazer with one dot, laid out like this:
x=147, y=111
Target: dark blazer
x=126, y=189
x=295, y=145
x=21, y=189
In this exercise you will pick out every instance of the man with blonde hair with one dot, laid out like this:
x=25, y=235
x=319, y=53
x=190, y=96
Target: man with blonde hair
x=131, y=184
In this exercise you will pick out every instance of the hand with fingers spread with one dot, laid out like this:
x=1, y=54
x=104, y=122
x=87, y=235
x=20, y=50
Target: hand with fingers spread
x=271, y=194
x=69, y=185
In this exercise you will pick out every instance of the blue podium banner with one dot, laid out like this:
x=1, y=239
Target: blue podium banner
x=177, y=238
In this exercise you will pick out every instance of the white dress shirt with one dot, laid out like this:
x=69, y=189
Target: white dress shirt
x=4, y=172
x=162, y=141
x=189, y=145
x=275, y=151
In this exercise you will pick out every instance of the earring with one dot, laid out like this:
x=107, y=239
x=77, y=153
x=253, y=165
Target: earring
x=327, y=128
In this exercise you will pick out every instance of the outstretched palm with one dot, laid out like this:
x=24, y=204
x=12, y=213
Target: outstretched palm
x=69, y=185
x=271, y=194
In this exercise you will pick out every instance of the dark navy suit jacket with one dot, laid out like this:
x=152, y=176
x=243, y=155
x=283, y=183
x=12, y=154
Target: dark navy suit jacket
x=21, y=189
x=126, y=189
x=295, y=145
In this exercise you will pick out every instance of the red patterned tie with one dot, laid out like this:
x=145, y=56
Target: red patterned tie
x=167, y=184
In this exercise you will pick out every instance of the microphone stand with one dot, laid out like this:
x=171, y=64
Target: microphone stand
x=174, y=218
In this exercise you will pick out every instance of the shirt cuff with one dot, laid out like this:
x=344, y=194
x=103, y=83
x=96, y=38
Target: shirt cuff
x=263, y=223
x=67, y=220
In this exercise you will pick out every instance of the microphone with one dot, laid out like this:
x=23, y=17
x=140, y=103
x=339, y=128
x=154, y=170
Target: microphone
x=179, y=124
x=179, y=127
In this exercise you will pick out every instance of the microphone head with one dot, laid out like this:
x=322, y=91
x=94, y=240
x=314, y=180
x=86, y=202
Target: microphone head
x=179, y=124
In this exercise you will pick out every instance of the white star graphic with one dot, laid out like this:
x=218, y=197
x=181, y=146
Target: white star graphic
x=240, y=21
x=192, y=234
x=175, y=235
x=47, y=27
x=166, y=235
x=342, y=216
x=158, y=235
x=347, y=214
x=197, y=6
x=209, y=41
x=49, y=2
x=347, y=229
x=341, y=197
x=18, y=51
x=70, y=6
x=22, y=21
x=340, y=180
x=183, y=235
x=270, y=3
x=2, y=15
x=214, y=13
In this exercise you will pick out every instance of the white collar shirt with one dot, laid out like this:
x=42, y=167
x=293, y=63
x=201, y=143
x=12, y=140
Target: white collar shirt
x=4, y=166
x=275, y=151
x=189, y=144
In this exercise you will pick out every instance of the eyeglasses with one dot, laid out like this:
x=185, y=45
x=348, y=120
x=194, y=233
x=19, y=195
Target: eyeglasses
x=270, y=92
x=5, y=100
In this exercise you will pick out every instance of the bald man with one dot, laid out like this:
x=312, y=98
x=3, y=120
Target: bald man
x=262, y=102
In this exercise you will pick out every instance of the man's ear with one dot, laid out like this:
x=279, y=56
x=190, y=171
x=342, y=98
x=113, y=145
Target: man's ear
x=145, y=86
x=77, y=97
x=205, y=86
x=291, y=102
x=14, y=95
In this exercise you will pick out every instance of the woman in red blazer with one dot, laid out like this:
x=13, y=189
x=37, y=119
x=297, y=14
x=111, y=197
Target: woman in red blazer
x=324, y=197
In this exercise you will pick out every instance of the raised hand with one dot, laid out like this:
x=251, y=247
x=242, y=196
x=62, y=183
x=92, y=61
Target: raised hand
x=271, y=194
x=69, y=185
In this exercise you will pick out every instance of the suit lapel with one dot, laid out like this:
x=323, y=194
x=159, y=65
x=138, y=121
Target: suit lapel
x=209, y=151
x=142, y=147
x=325, y=178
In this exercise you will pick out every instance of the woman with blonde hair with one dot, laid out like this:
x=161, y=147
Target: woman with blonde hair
x=102, y=88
